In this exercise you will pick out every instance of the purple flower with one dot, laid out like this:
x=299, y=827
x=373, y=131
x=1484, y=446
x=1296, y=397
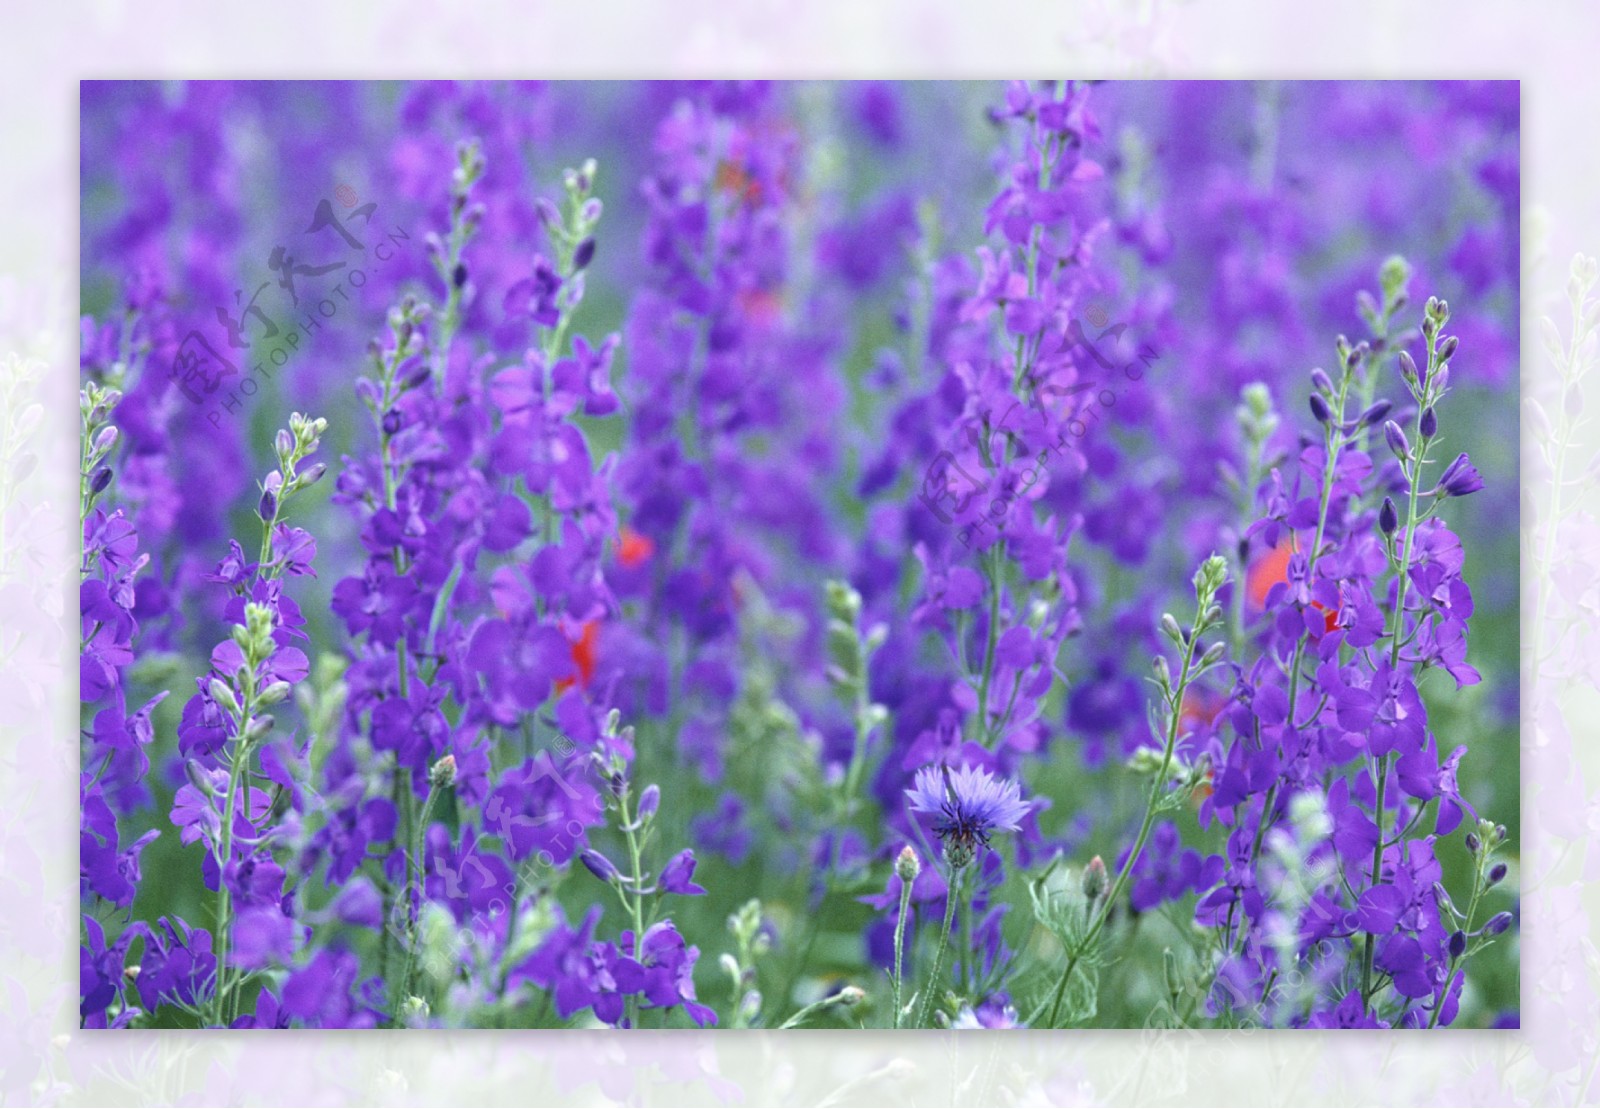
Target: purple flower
x=562, y=964
x=177, y=965
x=1460, y=478
x=969, y=805
x=104, y=867
x=996, y=1012
x=678, y=875
x=1350, y=1012
x=319, y=994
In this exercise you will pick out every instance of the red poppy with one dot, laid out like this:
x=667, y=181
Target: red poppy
x=633, y=549
x=584, y=650
x=1272, y=569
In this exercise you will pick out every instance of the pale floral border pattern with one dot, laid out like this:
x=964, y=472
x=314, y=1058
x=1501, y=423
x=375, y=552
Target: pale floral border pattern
x=45, y=1059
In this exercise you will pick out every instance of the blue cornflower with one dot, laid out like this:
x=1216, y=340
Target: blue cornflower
x=971, y=805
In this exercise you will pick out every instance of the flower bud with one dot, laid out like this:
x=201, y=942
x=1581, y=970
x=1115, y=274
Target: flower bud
x=1442, y=896
x=1497, y=874
x=1473, y=843
x=1397, y=440
x=198, y=777
x=1497, y=924
x=649, y=801
x=1213, y=654
x=259, y=728
x=1322, y=383
x=99, y=480
x=549, y=215
x=851, y=996
x=443, y=773
x=1319, y=408
x=1448, y=348
x=600, y=866
x=1376, y=412
x=1572, y=403
x=1163, y=673
x=1408, y=368
x=274, y=693
x=1169, y=626
x=267, y=508
x=1458, y=944
x=583, y=255
x=223, y=695
x=906, y=865
x=1429, y=424
x=1094, y=879
x=1171, y=973
x=105, y=440
x=1388, y=518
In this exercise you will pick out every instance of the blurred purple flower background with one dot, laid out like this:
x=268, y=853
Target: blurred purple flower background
x=777, y=555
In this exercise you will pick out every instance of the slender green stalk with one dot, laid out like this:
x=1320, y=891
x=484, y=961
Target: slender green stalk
x=238, y=773
x=849, y=997
x=415, y=879
x=1414, y=477
x=1158, y=785
x=899, y=946
x=925, y=1010
x=628, y=889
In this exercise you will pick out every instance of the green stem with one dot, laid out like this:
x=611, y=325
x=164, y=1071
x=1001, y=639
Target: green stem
x=899, y=945
x=237, y=773
x=992, y=640
x=1395, y=635
x=1157, y=787
x=968, y=979
x=419, y=877
x=628, y=891
x=925, y=1010
x=1472, y=909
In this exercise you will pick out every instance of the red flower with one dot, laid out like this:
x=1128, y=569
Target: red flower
x=633, y=549
x=1272, y=569
x=584, y=652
